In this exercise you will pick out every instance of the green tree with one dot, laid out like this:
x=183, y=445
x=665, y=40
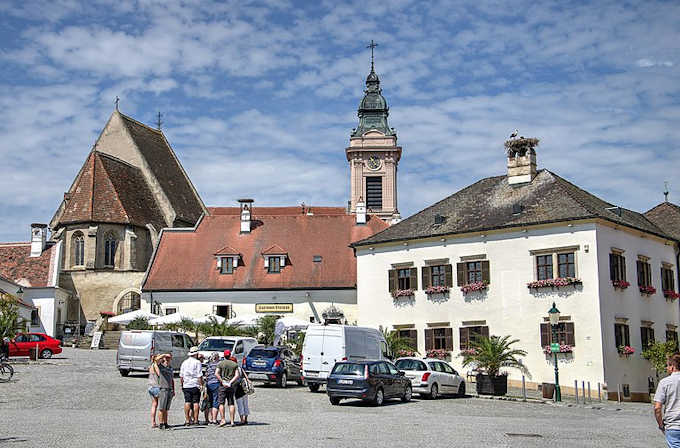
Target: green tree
x=139, y=323
x=298, y=343
x=396, y=344
x=214, y=328
x=265, y=328
x=10, y=322
x=494, y=353
x=658, y=354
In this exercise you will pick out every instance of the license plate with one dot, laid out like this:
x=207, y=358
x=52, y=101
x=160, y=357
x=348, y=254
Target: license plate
x=345, y=381
x=259, y=363
x=311, y=373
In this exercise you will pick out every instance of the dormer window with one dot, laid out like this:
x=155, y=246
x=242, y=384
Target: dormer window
x=226, y=265
x=274, y=259
x=274, y=265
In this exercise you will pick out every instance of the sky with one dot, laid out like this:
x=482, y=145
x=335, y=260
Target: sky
x=259, y=98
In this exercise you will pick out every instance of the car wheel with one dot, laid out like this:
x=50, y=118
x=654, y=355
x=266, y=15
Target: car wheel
x=283, y=380
x=461, y=389
x=407, y=394
x=434, y=392
x=335, y=401
x=46, y=353
x=124, y=372
x=379, y=398
x=314, y=387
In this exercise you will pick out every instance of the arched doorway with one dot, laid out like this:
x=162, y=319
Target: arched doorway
x=129, y=300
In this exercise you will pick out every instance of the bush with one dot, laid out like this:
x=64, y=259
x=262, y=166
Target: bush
x=139, y=323
x=10, y=322
x=658, y=354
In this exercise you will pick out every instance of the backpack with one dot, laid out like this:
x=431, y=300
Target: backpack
x=247, y=384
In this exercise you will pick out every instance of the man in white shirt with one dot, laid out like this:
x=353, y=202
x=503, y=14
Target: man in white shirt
x=667, y=402
x=191, y=378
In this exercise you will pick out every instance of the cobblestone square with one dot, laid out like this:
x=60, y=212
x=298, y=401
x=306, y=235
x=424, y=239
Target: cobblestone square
x=78, y=399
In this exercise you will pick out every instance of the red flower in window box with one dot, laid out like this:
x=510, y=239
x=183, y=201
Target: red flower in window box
x=564, y=348
x=553, y=282
x=620, y=284
x=436, y=290
x=625, y=350
x=477, y=286
x=403, y=293
x=649, y=290
x=670, y=294
x=437, y=353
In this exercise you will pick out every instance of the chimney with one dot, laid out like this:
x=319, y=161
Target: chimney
x=361, y=212
x=246, y=214
x=521, y=160
x=38, y=239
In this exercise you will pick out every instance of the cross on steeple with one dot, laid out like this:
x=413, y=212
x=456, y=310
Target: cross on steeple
x=159, y=122
x=665, y=191
x=372, y=45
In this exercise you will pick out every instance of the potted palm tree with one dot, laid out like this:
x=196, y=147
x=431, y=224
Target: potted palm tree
x=490, y=355
x=398, y=346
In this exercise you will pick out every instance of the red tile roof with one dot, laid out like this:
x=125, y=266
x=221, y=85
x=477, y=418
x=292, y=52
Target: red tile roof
x=17, y=265
x=227, y=250
x=274, y=250
x=112, y=191
x=279, y=211
x=185, y=260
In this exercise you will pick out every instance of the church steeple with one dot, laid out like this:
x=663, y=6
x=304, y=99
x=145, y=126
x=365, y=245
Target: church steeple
x=373, y=110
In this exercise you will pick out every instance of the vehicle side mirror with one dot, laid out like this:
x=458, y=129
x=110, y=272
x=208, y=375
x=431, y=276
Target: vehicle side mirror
x=401, y=373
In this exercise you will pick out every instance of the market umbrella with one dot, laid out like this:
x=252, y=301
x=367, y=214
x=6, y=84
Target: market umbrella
x=245, y=320
x=126, y=318
x=174, y=318
x=208, y=319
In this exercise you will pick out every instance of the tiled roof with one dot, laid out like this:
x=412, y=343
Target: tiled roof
x=492, y=203
x=227, y=250
x=274, y=250
x=112, y=191
x=17, y=265
x=185, y=259
x=167, y=170
x=279, y=211
x=666, y=216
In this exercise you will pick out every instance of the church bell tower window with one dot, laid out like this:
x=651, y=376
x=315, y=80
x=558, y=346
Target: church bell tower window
x=374, y=192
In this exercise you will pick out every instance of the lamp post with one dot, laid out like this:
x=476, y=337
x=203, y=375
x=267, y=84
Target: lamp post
x=554, y=315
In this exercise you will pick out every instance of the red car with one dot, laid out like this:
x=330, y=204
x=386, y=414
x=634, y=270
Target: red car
x=24, y=344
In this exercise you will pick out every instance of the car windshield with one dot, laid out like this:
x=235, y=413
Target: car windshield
x=263, y=353
x=348, y=369
x=216, y=345
x=410, y=364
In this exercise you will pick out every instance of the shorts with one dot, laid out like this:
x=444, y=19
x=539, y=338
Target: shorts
x=154, y=391
x=192, y=395
x=226, y=393
x=213, y=394
x=164, y=399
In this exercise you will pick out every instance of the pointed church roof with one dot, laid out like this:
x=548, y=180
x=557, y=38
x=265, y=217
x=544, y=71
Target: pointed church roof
x=111, y=191
x=373, y=110
x=166, y=168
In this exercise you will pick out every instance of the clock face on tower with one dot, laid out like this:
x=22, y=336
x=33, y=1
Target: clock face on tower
x=373, y=163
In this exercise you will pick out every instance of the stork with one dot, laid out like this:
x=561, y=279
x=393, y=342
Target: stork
x=514, y=134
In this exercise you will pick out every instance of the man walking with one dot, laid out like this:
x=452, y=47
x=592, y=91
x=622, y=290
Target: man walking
x=667, y=402
x=191, y=378
x=227, y=373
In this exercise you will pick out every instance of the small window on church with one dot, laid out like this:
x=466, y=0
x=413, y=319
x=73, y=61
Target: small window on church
x=110, y=246
x=374, y=192
x=78, y=249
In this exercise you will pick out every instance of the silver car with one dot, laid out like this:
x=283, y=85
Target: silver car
x=431, y=377
x=137, y=347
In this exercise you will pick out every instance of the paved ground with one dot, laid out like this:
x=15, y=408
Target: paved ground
x=79, y=400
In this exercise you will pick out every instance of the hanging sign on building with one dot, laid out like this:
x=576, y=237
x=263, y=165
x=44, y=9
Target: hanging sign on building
x=273, y=307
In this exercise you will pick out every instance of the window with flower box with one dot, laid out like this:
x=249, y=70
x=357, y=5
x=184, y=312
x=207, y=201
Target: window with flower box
x=402, y=279
x=469, y=272
x=621, y=334
x=667, y=278
x=644, y=273
x=439, y=339
x=565, y=265
x=544, y=267
x=647, y=337
x=565, y=334
x=471, y=335
x=617, y=267
x=562, y=262
x=437, y=276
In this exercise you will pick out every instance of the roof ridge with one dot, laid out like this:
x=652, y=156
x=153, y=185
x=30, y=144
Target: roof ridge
x=157, y=131
x=560, y=184
x=115, y=159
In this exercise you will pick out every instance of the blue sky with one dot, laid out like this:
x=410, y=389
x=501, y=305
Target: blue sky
x=259, y=98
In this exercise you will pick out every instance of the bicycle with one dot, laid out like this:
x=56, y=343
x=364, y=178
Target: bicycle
x=6, y=370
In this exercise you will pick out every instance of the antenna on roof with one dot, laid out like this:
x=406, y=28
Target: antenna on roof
x=159, y=122
x=665, y=191
x=117, y=100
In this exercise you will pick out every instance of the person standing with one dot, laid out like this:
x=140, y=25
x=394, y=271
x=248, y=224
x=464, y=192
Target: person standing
x=166, y=382
x=154, y=388
x=667, y=402
x=227, y=373
x=242, y=398
x=213, y=386
x=191, y=379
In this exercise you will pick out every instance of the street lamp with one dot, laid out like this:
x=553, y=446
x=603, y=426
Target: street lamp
x=554, y=315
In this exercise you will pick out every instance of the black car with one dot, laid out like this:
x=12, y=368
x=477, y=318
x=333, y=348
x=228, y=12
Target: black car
x=373, y=381
x=273, y=365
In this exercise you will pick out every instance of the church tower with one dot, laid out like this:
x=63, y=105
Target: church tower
x=373, y=154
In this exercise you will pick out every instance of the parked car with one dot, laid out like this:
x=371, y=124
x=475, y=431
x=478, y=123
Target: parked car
x=137, y=347
x=24, y=344
x=238, y=345
x=273, y=365
x=374, y=381
x=327, y=344
x=431, y=377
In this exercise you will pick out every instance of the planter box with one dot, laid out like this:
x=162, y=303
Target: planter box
x=487, y=385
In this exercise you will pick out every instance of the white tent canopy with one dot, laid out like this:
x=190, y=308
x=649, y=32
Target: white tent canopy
x=174, y=318
x=245, y=320
x=208, y=318
x=126, y=318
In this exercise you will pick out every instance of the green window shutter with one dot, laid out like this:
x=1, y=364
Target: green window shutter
x=545, y=334
x=414, y=278
x=462, y=275
x=464, y=338
x=449, y=338
x=392, y=277
x=429, y=339
x=486, y=275
x=612, y=267
x=449, y=275
x=427, y=278
x=640, y=273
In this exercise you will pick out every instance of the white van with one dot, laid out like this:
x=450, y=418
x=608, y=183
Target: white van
x=238, y=345
x=136, y=347
x=326, y=344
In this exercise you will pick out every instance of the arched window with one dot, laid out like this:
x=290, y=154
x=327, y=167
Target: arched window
x=78, y=249
x=129, y=302
x=110, y=246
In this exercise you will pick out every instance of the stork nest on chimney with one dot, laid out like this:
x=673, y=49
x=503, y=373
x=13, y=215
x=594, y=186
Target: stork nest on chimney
x=520, y=146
